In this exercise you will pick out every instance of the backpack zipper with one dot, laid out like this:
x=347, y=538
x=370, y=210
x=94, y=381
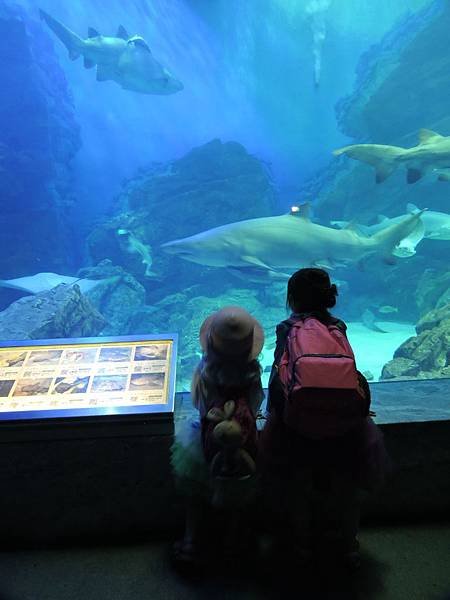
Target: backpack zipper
x=326, y=356
x=314, y=355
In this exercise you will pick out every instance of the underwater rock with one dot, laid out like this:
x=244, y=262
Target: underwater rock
x=402, y=85
x=117, y=296
x=401, y=80
x=60, y=312
x=433, y=290
x=213, y=184
x=38, y=139
x=427, y=355
x=399, y=368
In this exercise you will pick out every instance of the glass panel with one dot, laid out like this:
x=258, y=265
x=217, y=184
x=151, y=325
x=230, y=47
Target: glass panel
x=136, y=137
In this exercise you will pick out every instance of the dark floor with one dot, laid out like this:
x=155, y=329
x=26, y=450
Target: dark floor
x=401, y=563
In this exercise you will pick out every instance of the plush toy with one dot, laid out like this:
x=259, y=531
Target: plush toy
x=232, y=467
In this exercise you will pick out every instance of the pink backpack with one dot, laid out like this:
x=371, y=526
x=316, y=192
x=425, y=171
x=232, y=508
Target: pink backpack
x=323, y=395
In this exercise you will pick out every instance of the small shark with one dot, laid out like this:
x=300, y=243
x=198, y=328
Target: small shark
x=436, y=226
x=135, y=246
x=368, y=320
x=121, y=58
x=42, y=282
x=432, y=154
x=284, y=242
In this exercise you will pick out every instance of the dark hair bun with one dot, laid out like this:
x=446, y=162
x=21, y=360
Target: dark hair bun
x=330, y=296
x=310, y=290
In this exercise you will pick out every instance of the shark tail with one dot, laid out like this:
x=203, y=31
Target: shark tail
x=382, y=158
x=389, y=239
x=71, y=40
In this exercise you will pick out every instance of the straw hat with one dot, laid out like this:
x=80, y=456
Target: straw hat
x=232, y=330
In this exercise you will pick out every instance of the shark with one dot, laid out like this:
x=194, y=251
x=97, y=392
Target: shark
x=41, y=282
x=287, y=241
x=436, y=226
x=122, y=58
x=432, y=154
x=134, y=245
x=368, y=320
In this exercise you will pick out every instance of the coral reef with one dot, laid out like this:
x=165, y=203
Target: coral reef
x=426, y=355
x=38, y=139
x=60, y=312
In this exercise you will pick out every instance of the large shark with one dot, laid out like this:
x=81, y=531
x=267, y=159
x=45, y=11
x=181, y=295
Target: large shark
x=287, y=241
x=41, y=282
x=432, y=154
x=121, y=58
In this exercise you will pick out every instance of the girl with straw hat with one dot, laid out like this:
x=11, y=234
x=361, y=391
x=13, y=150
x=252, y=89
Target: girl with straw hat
x=213, y=456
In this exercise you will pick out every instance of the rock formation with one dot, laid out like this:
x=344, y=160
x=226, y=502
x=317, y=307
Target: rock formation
x=60, y=312
x=427, y=355
x=38, y=139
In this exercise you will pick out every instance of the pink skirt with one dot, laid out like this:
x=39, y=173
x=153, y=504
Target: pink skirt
x=359, y=454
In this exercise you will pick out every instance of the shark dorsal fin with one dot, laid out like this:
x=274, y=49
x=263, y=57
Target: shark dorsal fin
x=427, y=135
x=302, y=211
x=122, y=33
x=93, y=32
x=412, y=208
x=381, y=218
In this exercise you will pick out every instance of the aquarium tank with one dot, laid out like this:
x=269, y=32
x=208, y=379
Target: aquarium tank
x=160, y=159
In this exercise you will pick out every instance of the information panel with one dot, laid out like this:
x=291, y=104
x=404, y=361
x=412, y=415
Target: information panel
x=90, y=376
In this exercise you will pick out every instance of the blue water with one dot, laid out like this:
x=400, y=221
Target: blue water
x=272, y=76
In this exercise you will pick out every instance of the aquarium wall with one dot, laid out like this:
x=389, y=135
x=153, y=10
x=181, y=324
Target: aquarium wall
x=134, y=142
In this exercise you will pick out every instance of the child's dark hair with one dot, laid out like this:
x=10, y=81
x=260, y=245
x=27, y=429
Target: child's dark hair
x=310, y=290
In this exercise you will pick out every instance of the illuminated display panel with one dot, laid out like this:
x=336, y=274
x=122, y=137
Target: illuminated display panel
x=86, y=377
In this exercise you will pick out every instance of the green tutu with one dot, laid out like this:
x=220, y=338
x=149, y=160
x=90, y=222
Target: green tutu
x=188, y=462
x=192, y=473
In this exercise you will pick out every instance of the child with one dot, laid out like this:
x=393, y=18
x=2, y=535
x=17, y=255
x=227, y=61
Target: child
x=319, y=474
x=214, y=457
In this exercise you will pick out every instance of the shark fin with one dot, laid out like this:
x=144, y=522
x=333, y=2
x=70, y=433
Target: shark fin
x=88, y=64
x=381, y=218
x=412, y=208
x=122, y=33
x=302, y=211
x=252, y=260
x=427, y=135
x=383, y=170
x=93, y=32
x=413, y=175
